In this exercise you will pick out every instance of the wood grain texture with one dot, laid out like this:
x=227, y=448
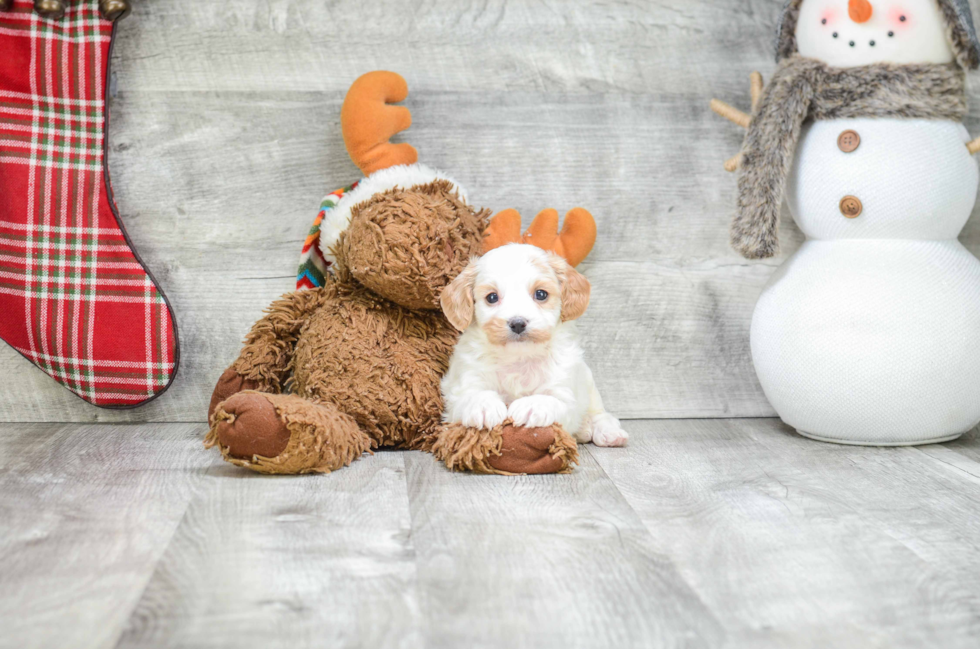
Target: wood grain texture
x=225, y=135
x=543, y=561
x=86, y=513
x=700, y=533
x=795, y=543
x=314, y=561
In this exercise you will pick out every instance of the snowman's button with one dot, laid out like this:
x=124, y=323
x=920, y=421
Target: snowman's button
x=849, y=141
x=851, y=207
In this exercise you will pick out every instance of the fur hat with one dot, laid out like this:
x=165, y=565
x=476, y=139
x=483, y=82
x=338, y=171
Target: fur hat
x=959, y=30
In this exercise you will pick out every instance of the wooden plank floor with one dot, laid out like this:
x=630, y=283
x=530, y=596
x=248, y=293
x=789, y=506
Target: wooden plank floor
x=702, y=533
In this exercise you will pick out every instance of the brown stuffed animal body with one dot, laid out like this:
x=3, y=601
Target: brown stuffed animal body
x=355, y=365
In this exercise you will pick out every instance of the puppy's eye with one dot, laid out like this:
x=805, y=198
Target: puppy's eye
x=540, y=295
x=493, y=298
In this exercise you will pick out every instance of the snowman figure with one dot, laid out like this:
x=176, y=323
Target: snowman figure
x=870, y=333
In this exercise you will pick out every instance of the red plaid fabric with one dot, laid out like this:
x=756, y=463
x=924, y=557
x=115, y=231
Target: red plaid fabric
x=74, y=297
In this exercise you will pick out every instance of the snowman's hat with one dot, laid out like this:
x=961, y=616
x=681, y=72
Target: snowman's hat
x=959, y=29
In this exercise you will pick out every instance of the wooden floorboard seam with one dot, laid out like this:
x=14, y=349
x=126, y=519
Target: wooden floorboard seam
x=149, y=577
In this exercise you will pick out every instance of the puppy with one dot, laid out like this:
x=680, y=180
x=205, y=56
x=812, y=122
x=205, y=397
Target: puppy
x=519, y=355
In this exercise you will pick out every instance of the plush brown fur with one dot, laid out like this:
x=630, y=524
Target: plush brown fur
x=506, y=449
x=392, y=252
x=804, y=89
x=266, y=359
x=377, y=361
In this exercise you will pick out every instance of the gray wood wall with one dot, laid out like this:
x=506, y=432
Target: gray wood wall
x=225, y=135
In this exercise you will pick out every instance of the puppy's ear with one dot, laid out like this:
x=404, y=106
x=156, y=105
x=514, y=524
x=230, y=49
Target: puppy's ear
x=457, y=298
x=575, y=289
x=575, y=293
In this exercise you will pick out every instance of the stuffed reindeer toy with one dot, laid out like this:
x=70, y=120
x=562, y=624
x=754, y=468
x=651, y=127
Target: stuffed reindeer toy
x=353, y=360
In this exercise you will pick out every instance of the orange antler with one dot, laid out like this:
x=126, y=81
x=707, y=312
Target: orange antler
x=574, y=243
x=504, y=228
x=368, y=122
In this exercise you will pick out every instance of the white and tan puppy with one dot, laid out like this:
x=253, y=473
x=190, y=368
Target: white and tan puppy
x=519, y=357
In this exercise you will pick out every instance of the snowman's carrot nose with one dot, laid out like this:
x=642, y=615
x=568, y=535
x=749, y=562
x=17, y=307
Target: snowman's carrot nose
x=859, y=10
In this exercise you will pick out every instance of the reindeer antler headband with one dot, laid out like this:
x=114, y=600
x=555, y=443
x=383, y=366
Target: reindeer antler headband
x=574, y=243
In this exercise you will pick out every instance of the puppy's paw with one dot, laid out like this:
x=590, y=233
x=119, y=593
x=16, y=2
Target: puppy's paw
x=606, y=431
x=536, y=411
x=484, y=411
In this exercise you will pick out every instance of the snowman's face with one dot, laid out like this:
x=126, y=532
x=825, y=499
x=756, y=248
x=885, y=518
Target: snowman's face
x=850, y=33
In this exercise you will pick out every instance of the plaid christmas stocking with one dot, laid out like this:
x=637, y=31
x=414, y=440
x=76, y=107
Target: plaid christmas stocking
x=75, y=299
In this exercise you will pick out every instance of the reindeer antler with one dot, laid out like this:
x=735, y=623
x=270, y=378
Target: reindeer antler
x=368, y=122
x=504, y=228
x=574, y=243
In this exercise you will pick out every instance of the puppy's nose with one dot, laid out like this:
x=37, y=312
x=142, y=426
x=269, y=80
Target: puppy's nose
x=517, y=325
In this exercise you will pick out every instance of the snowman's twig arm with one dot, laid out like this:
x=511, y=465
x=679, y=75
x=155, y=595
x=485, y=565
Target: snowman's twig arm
x=730, y=113
x=733, y=114
x=732, y=164
x=755, y=88
x=974, y=146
